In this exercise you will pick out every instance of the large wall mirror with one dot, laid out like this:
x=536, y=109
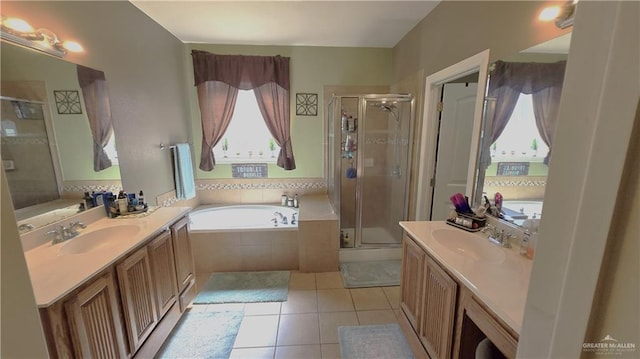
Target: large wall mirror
x=47, y=141
x=519, y=120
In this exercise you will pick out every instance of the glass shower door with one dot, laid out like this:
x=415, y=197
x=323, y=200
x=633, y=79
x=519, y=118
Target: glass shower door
x=383, y=159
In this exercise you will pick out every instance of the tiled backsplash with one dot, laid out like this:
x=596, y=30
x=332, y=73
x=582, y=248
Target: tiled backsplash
x=246, y=191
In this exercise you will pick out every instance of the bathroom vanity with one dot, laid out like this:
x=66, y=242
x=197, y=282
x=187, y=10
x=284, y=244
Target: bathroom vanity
x=117, y=289
x=457, y=289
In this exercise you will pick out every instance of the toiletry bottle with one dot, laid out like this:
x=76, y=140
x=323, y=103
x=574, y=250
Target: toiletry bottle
x=532, y=245
x=524, y=246
x=290, y=202
x=88, y=200
x=283, y=200
x=296, y=202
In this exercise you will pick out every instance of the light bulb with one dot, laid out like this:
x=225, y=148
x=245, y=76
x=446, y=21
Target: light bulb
x=549, y=13
x=18, y=25
x=72, y=46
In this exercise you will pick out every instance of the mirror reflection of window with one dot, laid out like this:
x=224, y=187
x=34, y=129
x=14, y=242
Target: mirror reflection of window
x=517, y=167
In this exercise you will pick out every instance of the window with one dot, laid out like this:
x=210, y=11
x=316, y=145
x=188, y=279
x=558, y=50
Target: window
x=247, y=138
x=520, y=139
x=110, y=149
x=517, y=170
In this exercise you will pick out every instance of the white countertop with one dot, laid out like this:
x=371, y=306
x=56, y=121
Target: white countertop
x=54, y=275
x=501, y=284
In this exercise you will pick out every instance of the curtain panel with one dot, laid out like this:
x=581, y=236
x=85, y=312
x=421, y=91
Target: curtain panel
x=543, y=81
x=267, y=76
x=96, y=102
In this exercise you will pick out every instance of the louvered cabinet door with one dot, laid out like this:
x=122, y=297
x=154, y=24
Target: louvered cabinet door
x=94, y=321
x=136, y=290
x=411, y=282
x=185, y=269
x=438, y=311
x=163, y=270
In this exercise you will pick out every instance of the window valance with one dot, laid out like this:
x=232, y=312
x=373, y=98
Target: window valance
x=240, y=71
x=527, y=77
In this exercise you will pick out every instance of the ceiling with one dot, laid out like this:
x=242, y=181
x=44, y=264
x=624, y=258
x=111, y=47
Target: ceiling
x=293, y=23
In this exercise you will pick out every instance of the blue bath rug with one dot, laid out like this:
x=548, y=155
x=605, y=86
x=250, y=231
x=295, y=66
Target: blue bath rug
x=370, y=273
x=203, y=335
x=245, y=287
x=373, y=342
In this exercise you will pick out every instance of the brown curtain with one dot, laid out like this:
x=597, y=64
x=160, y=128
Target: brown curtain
x=96, y=102
x=542, y=80
x=217, y=101
x=267, y=76
x=546, y=104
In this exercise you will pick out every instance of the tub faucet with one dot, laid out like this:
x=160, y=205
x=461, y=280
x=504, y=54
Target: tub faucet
x=293, y=218
x=282, y=217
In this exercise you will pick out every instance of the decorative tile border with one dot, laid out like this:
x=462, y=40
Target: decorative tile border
x=11, y=140
x=210, y=185
x=516, y=183
x=90, y=186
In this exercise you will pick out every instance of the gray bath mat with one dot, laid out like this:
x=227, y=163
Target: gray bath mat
x=203, y=335
x=245, y=287
x=373, y=341
x=370, y=273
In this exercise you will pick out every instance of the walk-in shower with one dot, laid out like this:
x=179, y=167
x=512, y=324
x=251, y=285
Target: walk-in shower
x=368, y=177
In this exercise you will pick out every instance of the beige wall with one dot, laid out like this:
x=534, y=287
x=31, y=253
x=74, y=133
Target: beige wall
x=455, y=30
x=22, y=335
x=144, y=66
x=618, y=292
x=311, y=68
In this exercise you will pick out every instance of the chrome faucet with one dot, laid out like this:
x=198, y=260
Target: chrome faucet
x=26, y=227
x=498, y=236
x=65, y=233
x=293, y=218
x=283, y=218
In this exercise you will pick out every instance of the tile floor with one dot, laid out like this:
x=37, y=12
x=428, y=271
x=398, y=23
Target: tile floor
x=306, y=325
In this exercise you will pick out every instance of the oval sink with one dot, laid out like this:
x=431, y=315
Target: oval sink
x=468, y=245
x=99, y=239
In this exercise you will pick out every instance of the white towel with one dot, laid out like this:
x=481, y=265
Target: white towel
x=185, y=184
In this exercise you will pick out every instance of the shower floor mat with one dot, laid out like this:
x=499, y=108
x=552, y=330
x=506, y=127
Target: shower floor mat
x=370, y=273
x=245, y=287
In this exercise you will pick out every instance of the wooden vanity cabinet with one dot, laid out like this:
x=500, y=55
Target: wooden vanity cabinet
x=438, y=311
x=163, y=270
x=411, y=281
x=131, y=307
x=428, y=300
x=138, y=299
x=93, y=317
x=185, y=268
x=441, y=317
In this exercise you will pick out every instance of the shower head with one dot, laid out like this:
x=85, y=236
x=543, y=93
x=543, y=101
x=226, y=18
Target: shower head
x=388, y=107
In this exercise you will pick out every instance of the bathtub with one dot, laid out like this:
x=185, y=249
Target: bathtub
x=241, y=218
x=231, y=238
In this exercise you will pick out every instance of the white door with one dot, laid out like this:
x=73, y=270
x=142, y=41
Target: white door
x=454, y=141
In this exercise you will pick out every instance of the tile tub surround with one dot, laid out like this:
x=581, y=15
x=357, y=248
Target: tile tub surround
x=54, y=275
x=501, y=286
x=311, y=248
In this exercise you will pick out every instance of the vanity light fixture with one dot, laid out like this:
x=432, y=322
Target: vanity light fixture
x=20, y=32
x=562, y=15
